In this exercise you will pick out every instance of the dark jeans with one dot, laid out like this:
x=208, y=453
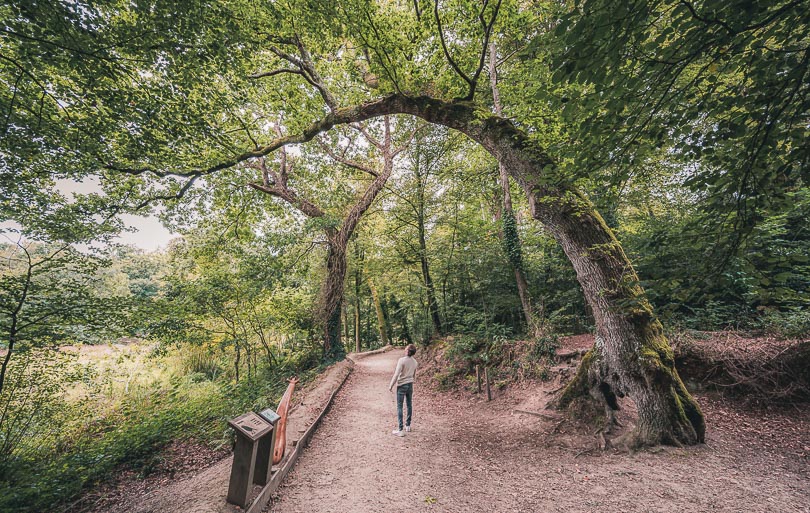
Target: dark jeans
x=404, y=392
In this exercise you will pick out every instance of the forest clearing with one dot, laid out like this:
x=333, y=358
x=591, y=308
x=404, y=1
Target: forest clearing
x=596, y=208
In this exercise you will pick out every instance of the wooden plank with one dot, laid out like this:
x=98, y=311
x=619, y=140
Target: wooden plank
x=264, y=459
x=241, y=482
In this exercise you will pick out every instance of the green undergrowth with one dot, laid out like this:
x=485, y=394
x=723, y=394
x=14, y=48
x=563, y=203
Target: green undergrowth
x=95, y=429
x=507, y=360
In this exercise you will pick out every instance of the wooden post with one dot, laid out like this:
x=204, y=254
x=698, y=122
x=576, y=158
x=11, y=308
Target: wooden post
x=264, y=459
x=264, y=456
x=486, y=379
x=249, y=429
x=478, y=377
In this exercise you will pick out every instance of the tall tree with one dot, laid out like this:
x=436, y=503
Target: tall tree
x=48, y=295
x=276, y=183
x=510, y=237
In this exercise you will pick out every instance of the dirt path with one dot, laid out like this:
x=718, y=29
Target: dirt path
x=465, y=455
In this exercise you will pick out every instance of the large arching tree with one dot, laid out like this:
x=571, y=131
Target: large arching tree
x=151, y=99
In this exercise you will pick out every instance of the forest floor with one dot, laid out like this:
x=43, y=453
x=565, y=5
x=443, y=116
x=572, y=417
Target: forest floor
x=469, y=455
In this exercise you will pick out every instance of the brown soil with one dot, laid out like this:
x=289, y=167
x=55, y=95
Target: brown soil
x=466, y=454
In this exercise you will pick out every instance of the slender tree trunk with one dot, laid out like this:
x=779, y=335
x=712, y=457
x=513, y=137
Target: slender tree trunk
x=357, y=325
x=380, y=315
x=510, y=238
x=430, y=289
x=357, y=282
x=238, y=358
x=433, y=305
x=344, y=316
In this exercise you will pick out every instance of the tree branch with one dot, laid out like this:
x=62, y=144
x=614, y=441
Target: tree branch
x=444, y=46
x=346, y=162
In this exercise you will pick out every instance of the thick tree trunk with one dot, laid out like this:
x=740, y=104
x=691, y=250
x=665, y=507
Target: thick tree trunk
x=331, y=298
x=631, y=355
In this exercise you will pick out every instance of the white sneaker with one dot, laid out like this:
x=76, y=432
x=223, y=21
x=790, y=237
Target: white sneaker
x=397, y=432
x=408, y=429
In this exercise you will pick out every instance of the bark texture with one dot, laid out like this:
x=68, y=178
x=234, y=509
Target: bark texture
x=331, y=297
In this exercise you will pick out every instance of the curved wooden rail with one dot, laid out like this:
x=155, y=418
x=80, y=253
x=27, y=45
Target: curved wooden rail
x=281, y=426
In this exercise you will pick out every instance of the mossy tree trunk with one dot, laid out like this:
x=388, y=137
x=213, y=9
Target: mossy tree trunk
x=331, y=297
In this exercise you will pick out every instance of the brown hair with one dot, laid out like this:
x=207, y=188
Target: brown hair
x=411, y=349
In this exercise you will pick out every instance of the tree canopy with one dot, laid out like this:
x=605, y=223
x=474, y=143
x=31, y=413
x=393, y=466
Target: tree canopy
x=192, y=100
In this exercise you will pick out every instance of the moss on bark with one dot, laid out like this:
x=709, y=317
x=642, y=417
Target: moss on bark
x=579, y=386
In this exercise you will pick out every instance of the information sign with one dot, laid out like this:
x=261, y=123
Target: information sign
x=251, y=425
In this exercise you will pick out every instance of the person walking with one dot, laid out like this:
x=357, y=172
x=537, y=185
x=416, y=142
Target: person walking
x=404, y=376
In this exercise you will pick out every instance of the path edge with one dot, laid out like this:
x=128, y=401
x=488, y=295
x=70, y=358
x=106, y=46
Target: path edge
x=358, y=356
x=263, y=497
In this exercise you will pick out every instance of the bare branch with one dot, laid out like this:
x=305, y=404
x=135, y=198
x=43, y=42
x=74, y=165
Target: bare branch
x=276, y=72
x=168, y=197
x=406, y=144
x=290, y=196
x=306, y=68
x=346, y=162
x=486, y=26
x=444, y=46
x=309, y=67
x=370, y=138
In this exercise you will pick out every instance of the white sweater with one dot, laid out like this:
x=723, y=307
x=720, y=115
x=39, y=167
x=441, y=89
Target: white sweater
x=405, y=372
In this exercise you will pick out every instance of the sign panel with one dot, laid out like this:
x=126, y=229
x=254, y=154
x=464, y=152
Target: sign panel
x=270, y=415
x=251, y=425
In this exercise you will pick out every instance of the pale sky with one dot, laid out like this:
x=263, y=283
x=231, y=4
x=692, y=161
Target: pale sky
x=150, y=234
